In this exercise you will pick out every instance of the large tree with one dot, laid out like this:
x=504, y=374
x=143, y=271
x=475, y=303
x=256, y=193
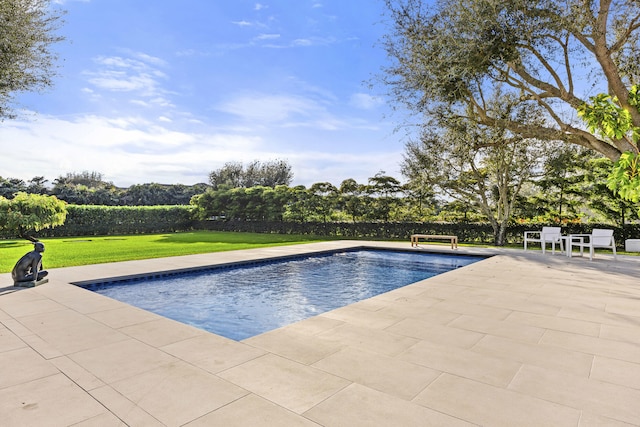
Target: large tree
x=552, y=53
x=477, y=165
x=27, y=62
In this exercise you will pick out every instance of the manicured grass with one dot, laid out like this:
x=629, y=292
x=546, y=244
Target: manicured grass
x=67, y=252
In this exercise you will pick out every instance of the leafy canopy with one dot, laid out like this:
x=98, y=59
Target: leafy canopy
x=27, y=33
x=26, y=212
x=605, y=116
x=547, y=53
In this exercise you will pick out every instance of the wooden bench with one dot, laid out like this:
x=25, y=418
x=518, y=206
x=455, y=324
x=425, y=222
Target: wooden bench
x=415, y=238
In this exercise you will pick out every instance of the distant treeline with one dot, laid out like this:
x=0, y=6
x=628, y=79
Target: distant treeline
x=88, y=188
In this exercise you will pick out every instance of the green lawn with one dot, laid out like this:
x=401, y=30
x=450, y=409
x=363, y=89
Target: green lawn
x=67, y=252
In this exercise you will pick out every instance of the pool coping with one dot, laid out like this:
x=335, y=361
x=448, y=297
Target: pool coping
x=505, y=332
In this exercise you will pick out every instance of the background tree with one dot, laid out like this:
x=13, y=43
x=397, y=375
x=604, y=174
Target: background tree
x=323, y=199
x=37, y=185
x=299, y=205
x=85, y=188
x=267, y=174
x=561, y=187
x=27, y=213
x=420, y=201
x=480, y=165
x=460, y=211
x=230, y=175
x=351, y=198
x=10, y=186
x=550, y=53
x=604, y=204
x=27, y=33
x=383, y=191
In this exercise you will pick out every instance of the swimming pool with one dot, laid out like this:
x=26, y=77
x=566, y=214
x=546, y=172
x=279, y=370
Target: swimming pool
x=241, y=301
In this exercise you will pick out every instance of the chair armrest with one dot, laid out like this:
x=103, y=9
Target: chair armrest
x=526, y=233
x=581, y=237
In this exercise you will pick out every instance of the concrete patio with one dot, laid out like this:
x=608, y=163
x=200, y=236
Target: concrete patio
x=519, y=339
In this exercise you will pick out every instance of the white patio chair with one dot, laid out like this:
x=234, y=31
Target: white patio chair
x=599, y=238
x=547, y=235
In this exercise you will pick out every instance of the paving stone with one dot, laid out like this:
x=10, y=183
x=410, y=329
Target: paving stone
x=465, y=363
x=288, y=343
x=390, y=375
x=488, y=405
x=359, y=406
x=178, y=392
x=610, y=400
x=289, y=384
x=252, y=411
x=49, y=401
x=212, y=352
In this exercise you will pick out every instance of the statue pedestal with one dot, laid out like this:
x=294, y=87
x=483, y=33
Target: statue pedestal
x=31, y=284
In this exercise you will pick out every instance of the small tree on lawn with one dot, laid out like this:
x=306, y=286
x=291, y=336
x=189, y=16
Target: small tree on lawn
x=27, y=213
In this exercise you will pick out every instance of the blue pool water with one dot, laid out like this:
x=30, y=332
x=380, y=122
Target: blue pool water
x=243, y=301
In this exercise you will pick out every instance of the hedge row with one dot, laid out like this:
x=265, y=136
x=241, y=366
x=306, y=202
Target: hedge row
x=466, y=232
x=89, y=220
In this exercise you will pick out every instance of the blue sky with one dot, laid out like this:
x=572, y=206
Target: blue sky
x=166, y=91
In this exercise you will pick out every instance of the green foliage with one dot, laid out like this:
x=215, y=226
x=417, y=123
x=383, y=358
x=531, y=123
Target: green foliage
x=607, y=116
x=27, y=31
x=249, y=204
x=89, y=220
x=469, y=232
x=624, y=178
x=482, y=167
x=31, y=212
x=456, y=53
x=10, y=186
x=563, y=189
x=256, y=173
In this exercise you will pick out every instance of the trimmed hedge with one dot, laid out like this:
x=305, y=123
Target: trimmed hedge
x=90, y=220
x=466, y=232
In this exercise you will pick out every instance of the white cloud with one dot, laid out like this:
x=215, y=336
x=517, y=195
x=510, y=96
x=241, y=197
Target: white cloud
x=313, y=41
x=120, y=81
x=268, y=36
x=191, y=52
x=365, y=101
x=131, y=150
x=138, y=75
x=270, y=108
x=242, y=23
x=260, y=6
x=313, y=110
x=127, y=150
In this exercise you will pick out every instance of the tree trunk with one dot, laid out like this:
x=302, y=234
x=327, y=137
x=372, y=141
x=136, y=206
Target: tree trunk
x=500, y=234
